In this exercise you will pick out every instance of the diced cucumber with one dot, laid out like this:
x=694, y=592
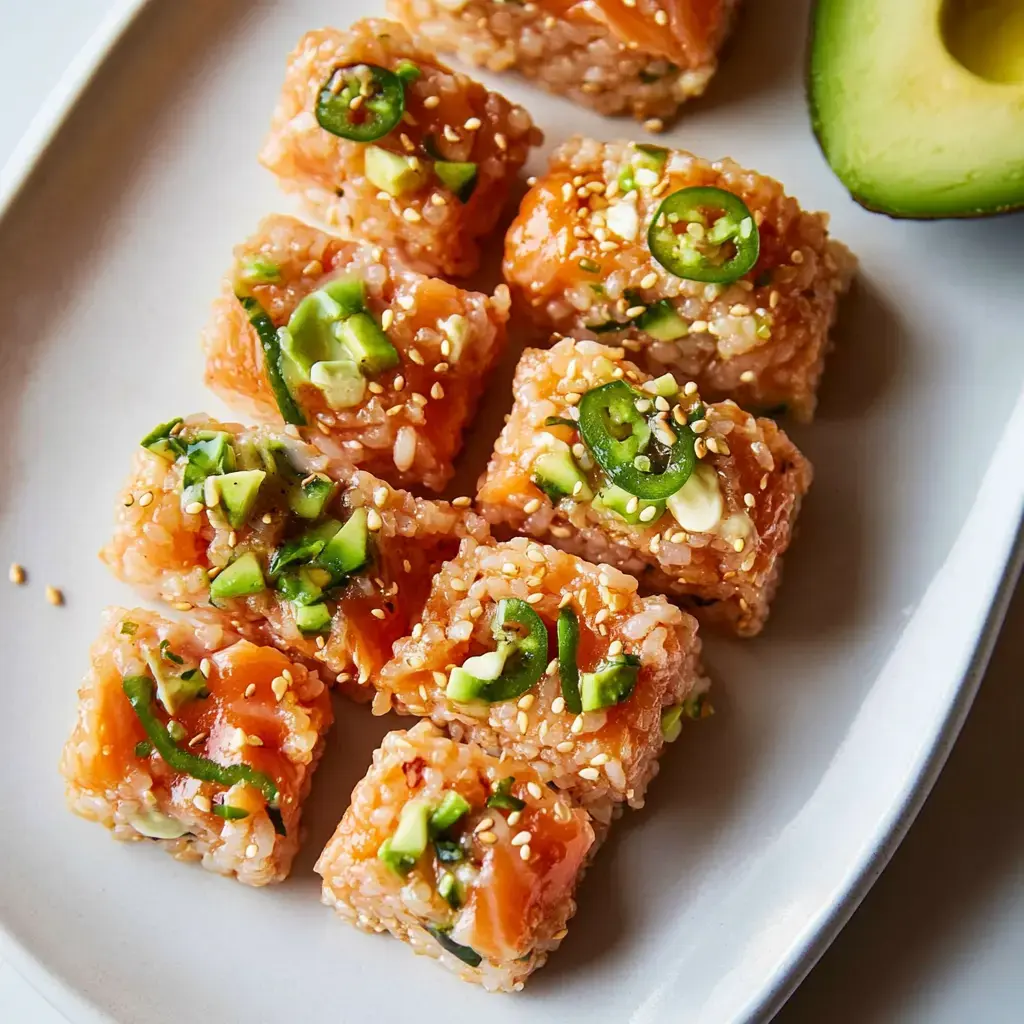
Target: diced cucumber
x=666, y=386
x=558, y=476
x=349, y=293
x=304, y=585
x=612, y=683
x=340, y=382
x=238, y=493
x=239, y=579
x=348, y=550
x=465, y=682
x=368, y=344
x=394, y=173
x=302, y=549
x=308, y=500
x=452, y=807
x=458, y=177
x=409, y=842
x=662, y=322
x=628, y=507
x=312, y=618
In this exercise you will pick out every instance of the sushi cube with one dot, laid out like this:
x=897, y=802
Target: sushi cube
x=388, y=364
x=260, y=531
x=388, y=144
x=468, y=858
x=701, y=269
x=641, y=57
x=587, y=425
x=544, y=658
x=203, y=742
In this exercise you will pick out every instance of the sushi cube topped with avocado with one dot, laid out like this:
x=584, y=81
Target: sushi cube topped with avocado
x=262, y=531
x=387, y=143
x=196, y=739
x=599, y=455
x=468, y=858
x=385, y=363
x=539, y=655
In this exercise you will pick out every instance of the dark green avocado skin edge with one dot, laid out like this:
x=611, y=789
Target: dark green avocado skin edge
x=874, y=206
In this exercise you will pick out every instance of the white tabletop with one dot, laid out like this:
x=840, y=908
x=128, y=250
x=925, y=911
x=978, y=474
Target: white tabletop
x=940, y=939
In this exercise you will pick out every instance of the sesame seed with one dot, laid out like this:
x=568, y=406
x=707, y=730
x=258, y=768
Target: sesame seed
x=700, y=449
x=387, y=318
x=590, y=774
x=458, y=584
x=193, y=508
x=577, y=725
x=373, y=520
x=510, y=569
x=487, y=837
x=526, y=702
x=522, y=837
x=542, y=731
x=649, y=280
x=525, y=852
x=566, y=599
x=146, y=498
x=614, y=648
x=531, y=506
x=206, y=666
x=411, y=215
x=279, y=685
x=267, y=518
x=202, y=803
x=472, y=124
x=534, y=790
x=253, y=740
x=749, y=500
x=535, y=598
x=654, y=125
x=649, y=513
x=436, y=391
x=431, y=101
x=748, y=376
x=54, y=596
x=16, y=574
x=513, y=818
x=523, y=721
x=197, y=739
x=565, y=746
x=251, y=850
x=312, y=268
x=483, y=824
x=232, y=539
x=250, y=690
x=739, y=544
x=128, y=502
x=699, y=426
x=378, y=613
x=796, y=256
x=599, y=760
x=380, y=496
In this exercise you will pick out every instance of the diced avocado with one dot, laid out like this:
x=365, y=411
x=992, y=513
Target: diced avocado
x=666, y=386
x=312, y=618
x=348, y=550
x=558, y=476
x=339, y=381
x=697, y=506
x=309, y=499
x=452, y=807
x=457, y=177
x=174, y=690
x=160, y=442
x=502, y=798
x=257, y=270
x=349, y=293
x=304, y=585
x=242, y=577
x=671, y=722
x=238, y=493
x=156, y=825
x=302, y=549
x=176, y=731
x=464, y=682
x=394, y=173
x=612, y=682
x=619, y=501
x=919, y=106
x=662, y=322
x=650, y=156
x=407, y=71
x=644, y=168
x=409, y=842
x=368, y=344
x=311, y=335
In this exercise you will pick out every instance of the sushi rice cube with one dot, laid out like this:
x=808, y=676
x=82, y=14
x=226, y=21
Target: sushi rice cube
x=257, y=530
x=387, y=143
x=641, y=57
x=200, y=741
x=727, y=501
x=388, y=364
x=700, y=269
x=467, y=858
x=539, y=656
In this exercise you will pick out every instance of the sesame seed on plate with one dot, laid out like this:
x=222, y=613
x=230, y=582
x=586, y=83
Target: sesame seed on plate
x=55, y=596
x=16, y=574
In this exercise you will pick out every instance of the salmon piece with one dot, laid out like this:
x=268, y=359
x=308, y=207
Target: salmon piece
x=644, y=57
x=490, y=895
x=724, y=566
x=449, y=117
x=407, y=426
x=256, y=708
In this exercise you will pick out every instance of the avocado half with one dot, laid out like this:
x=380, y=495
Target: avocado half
x=919, y=104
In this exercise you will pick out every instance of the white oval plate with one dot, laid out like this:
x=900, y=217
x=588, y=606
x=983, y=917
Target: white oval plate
x=768, y=823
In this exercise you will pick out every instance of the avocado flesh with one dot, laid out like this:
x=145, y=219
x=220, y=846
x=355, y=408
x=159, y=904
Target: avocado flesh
x=908, y=129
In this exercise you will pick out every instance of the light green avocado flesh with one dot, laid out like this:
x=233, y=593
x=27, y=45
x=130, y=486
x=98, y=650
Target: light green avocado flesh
x=466, y=682
x=238, y=493
x=242, y=577
x=911, y=128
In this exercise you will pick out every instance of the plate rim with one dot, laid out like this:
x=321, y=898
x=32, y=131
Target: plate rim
x=16, y=173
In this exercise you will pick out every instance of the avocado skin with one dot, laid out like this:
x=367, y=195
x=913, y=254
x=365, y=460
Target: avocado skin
x=876, y=204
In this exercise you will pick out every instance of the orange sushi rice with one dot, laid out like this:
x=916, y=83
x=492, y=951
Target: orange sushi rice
x=601, y=746
x=639, y=57
x=243, y=727
x=205, y=496
x=466, y=857
x=425, y=157
x=754, y=329
x=716, y=543
x=390, y=375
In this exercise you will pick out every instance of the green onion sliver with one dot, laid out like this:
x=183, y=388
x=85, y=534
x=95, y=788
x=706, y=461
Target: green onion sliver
x=267, y=333
x=568, y=630
x=704, y=234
